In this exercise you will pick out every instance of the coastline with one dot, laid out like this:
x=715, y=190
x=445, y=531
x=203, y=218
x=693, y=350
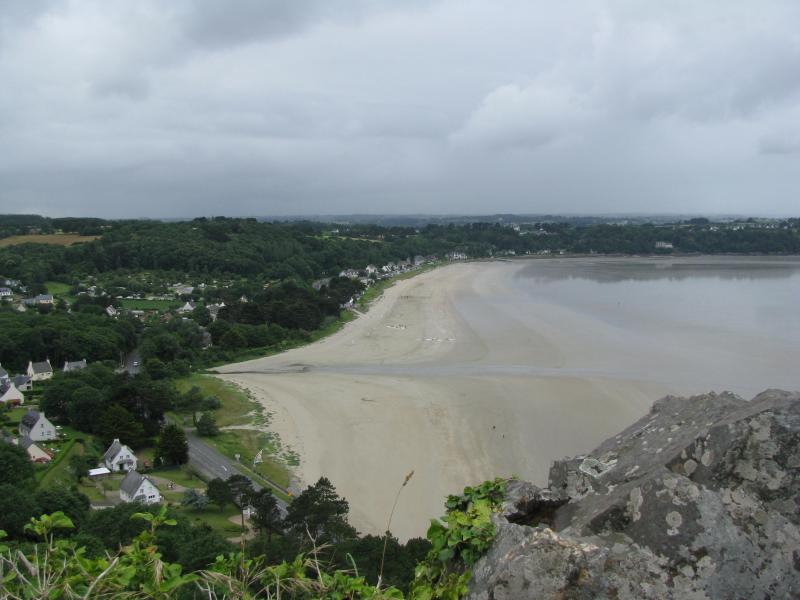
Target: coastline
x=365, y=431
x=463, y=374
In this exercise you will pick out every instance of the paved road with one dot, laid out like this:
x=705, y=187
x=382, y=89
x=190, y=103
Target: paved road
x=132, y=363
x=211, y=463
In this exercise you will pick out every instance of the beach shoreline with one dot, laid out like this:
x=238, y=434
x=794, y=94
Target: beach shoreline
x=366, y=431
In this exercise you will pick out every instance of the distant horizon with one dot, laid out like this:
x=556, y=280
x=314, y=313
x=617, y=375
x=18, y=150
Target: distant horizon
x=420, y=215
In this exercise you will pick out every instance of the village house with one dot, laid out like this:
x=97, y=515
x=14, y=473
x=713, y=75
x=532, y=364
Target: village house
x=37, y=427
x=138, y=488
x=664, y=246
x=39, y=371
x=10, y=394
x=41, y=299
x=213, y=310
x=119, y=457
x=5, y=292
x=3, y=374
x=75, y=365
x=23, y=383
x=186, y=308
x=183, y=290
x=36, y=453
x=111, y=311
x=349, y=273
x=371, y=269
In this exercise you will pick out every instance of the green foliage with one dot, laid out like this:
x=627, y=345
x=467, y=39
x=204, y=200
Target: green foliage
x=162, y=557
x=195, y=500
x=172, y=449
x=319, y=512
x=458, y=541
x=267, y=515
x=15, y=466
x=207, y=425
x=219, y=492
x=17, y=506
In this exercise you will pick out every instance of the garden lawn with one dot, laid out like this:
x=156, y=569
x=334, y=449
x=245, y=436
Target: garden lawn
x=247, y=443
x=237, y=407
x=57, y=289
x=217, y=519
x=182, y=476
x=141, y=304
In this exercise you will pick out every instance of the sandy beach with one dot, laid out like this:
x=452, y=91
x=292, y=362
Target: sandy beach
x=411, y=385
x=477, y=370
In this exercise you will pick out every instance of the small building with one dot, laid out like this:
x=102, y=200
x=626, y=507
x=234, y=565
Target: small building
x=37, y=427
x=40, y=300
x=119, y=457
x=10, y=394
x=39, y=371
x=664, y=246
x=98, y=473
x=3, y=374
x=111, y=311
x=23, y=383
x=139, y=488
x=213, y=309
x=36, y=453
x=5, y=292
x=75, y=365
x=371, y=269
x=187, y=308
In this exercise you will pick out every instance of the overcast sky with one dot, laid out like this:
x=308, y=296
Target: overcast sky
x=260, y=107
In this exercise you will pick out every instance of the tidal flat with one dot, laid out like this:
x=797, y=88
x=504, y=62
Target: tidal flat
x=484, y=369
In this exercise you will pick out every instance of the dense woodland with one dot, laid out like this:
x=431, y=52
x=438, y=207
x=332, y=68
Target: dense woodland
x=304, y=251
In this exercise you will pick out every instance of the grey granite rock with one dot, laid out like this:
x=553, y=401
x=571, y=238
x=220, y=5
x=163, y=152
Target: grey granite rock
x=698, y=499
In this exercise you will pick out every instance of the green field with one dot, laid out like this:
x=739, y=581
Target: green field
x=237, y=407
x=217, y=519
x=56, y=288
x=247, y=443
x=161, y=305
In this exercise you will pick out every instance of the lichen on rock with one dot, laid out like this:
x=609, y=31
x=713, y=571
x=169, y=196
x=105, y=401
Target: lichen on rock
x=698, y=499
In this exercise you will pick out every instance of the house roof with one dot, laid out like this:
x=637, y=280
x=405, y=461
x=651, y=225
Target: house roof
x=42, y=367
x=98, y=471
x=25, y=442
x=30, y=419
x=21, y=380
x=113, y=449
x=71, y=365
x=132, y=482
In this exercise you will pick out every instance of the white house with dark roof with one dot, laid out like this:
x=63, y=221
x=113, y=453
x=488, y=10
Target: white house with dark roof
x=119, y=457
x=39, y=371
x=5, y=292
x=37, y=427
x=139, y=488
x=74, y=365
x=41, y=299
x=187, y=308
x=10, y=395
x=35, y=452
x=3, y=374
x=23, y=382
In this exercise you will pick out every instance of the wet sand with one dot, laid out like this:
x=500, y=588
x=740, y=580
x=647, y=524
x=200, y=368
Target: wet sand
x=412, y=386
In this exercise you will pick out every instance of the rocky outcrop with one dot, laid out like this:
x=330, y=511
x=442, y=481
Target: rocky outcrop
x=698, y=499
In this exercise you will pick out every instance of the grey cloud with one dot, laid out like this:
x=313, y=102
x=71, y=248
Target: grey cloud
x=264, y=107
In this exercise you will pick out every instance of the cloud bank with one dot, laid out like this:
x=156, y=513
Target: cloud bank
x=260, y=107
